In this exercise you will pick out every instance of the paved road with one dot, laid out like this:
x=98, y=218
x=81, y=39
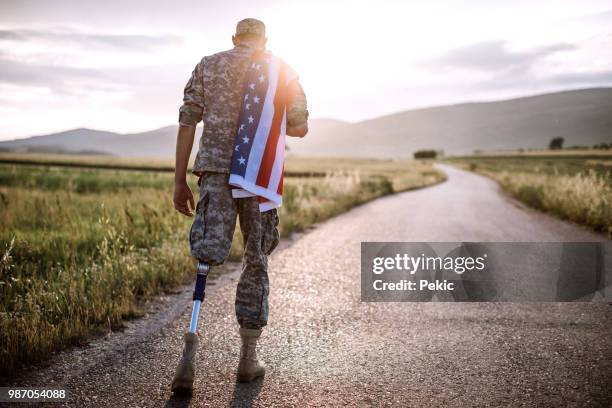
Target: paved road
x=323, y=347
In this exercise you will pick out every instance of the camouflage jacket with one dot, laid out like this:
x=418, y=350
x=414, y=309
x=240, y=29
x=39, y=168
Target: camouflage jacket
x=214, y=94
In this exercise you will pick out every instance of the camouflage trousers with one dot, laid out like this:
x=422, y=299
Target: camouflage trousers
x=211, y=236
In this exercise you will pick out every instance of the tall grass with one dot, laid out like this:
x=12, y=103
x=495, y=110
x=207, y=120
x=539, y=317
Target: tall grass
x=307, y=201
x=584, y=198
x=570, y=186
x=79, y=248
x=73, y=262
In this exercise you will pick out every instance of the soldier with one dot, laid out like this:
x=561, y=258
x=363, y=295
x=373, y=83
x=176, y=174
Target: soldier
x=214, y=94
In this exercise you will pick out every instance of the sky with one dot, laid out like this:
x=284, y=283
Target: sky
x=122, y=65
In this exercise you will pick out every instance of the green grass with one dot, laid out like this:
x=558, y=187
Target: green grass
x=83, y=180
x=88, y=161
x=576, y=187
x=81, y=247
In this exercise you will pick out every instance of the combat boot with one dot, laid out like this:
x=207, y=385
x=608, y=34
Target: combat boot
x=249, y=366
x=185, y=372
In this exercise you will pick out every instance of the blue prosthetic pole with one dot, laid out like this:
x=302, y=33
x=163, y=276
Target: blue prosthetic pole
x=198, y=294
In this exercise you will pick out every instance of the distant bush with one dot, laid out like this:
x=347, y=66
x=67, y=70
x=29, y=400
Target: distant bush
x=556, y=143
x=603, y=146
x=425, y=154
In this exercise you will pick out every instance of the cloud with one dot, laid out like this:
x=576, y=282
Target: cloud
x=45, y=61
x=494, y=57
x=66, y=80
x=54, y=77
x=491, y=70
x=567, y=80
x=125, y=42
x=603, y=18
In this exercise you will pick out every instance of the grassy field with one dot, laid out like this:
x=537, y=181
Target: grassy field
x=90, y=161
x=81, y=247
x=573, y=185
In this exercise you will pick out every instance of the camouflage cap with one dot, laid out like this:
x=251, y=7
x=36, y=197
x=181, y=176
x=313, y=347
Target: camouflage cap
x=251, y=26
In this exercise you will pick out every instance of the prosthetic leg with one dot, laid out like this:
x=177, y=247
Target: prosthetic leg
x=185, y=372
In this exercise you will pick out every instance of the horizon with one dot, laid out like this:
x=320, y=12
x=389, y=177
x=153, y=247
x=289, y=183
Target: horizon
x=59, y=68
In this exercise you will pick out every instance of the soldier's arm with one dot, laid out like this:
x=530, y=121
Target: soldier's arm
x=190, y=113
x=183, y=196
x=297, y=111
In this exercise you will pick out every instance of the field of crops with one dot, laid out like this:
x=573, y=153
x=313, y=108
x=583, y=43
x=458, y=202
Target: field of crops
x=576, y=186
x=81, y=246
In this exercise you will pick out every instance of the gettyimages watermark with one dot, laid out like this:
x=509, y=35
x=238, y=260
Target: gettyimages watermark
x=486, y=271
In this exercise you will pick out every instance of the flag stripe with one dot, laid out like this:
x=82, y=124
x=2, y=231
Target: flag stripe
x=263, y=129
x=277, y=168
x=279, y=190
x=268, y=159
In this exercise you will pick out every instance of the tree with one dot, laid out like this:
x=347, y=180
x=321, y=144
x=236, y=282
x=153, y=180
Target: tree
x=556, y=143
x=425, y=154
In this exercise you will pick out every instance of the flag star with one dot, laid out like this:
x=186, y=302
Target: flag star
x=257, y=67
x=252, y=86
x=247, y=106
x=261, y=78
x=246, y=97
x=253, y=65
x=241, y=160
x=256, y=99
x=241, y=127
x=237, y=148
x=246, y=139
x=251, y=119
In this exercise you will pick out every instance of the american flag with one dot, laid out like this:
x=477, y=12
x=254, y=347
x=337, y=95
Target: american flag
x=259, y=152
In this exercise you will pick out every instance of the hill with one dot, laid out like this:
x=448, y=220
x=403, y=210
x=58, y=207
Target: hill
x=582, y=117
x=155, y=143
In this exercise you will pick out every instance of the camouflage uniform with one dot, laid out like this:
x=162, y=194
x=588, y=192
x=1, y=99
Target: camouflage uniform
x=214, y=94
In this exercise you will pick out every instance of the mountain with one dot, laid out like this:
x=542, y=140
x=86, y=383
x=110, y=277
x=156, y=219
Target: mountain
x=159, y=142
x=582, y=117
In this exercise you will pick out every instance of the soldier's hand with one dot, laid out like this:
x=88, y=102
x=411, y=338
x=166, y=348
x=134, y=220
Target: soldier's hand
x=297, y=131
x=183, y=199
